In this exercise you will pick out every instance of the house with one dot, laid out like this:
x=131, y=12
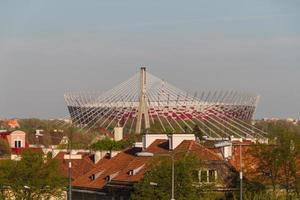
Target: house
x=114, y=175
x=16, y=139
x=17, y=142
x=13, y=123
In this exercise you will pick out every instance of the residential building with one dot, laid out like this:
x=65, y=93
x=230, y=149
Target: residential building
x=114, y=175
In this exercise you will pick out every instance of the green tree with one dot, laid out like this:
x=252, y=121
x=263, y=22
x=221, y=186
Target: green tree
x=4, y=147
x=33, y=177
x=186, y=186
x=109, y=145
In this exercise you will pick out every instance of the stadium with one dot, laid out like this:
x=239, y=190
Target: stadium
x=146, y=103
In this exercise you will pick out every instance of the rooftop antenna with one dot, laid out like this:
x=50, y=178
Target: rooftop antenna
x=143, y=104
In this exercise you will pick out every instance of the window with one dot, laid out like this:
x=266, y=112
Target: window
x=212, y=175
x=205, y=176
x=18, y=144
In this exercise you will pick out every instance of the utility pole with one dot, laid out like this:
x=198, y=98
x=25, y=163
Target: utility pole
x=241, y=174
x=70, y=163
x=173, y=177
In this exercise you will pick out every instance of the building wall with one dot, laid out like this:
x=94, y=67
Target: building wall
x=17, y=136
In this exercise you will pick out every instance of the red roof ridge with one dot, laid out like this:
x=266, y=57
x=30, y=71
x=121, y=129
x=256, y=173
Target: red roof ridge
x=207, y=149
x=191, y=143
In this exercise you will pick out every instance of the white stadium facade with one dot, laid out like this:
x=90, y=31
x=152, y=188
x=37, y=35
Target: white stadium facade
x=146, y=103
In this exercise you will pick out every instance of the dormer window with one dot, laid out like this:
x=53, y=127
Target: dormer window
x=92, y=177
x=96, y=175
x=130, y=173
x=110, y=177
x=136, y=170
x=107, y=178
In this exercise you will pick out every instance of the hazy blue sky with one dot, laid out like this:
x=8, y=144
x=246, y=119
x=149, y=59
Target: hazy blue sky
x=50, y=47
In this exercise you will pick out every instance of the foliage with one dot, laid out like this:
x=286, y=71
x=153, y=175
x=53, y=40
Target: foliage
x=4, y=147
x=33, y=177
x=263, y=195
x=78, y=139
x=273, y=128
x=3, y=125
x=108, y=144
x=186, y=187
x=197, y=132
x=279, y=162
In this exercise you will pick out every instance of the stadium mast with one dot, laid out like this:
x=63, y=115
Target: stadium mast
x=143, y=106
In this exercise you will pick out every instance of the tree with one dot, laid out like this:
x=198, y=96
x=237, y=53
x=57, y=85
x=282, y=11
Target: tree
x=4, y=147
x=269, y=163
x=109, y=145
x=33, y=177
x=289, y=147
x=157, y=182
x=279, y=162
x=197, y=132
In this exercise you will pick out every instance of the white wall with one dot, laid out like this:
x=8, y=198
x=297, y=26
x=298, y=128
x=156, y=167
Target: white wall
x=148, y=139
x=176, y=139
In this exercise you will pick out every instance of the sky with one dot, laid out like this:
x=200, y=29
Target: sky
x=48, y=48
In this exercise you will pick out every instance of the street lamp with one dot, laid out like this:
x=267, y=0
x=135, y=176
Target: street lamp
x=241, y=169
x=70, y=163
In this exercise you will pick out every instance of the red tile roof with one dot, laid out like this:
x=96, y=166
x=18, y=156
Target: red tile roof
x=107, y=167
x=125, y=161
x=13, y=123
x=159, y=146
x=79, y=166
x=199, y=150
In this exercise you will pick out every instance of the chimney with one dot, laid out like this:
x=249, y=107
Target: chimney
x=118, y=133
x=98, y=155
x=148, y=139
x=176, y=139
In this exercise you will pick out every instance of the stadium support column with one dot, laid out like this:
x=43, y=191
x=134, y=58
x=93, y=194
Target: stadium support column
x=143, y=107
